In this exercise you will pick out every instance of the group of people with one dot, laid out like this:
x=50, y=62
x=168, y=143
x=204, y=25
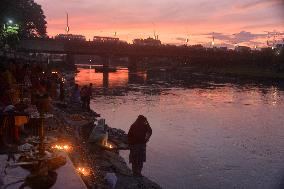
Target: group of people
x=20, y=79
x=82, y=96
x=23, y=85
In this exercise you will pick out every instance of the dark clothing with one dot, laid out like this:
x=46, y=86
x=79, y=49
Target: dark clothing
x=137, y=132
x=62, y=96
x=89, y=91
x=138, y=135
x=86, y=94
x=137, y=153
x=88, y=97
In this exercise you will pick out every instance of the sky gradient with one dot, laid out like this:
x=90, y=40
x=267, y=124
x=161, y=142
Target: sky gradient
x=243, y=22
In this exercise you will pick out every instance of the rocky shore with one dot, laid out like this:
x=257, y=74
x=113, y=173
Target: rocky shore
x=74, y=126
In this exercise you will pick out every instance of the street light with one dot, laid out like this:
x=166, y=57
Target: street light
x=10, y=21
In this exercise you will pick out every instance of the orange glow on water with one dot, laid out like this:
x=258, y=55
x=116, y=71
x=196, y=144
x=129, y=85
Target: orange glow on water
x=116, y=79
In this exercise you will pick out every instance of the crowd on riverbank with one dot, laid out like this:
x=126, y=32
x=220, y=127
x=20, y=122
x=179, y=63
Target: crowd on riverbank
x=32, y=90
x=21, y=80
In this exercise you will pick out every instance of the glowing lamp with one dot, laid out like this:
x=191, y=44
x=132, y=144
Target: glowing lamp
x=84, y=171
x=61, y=147
x=108, y=145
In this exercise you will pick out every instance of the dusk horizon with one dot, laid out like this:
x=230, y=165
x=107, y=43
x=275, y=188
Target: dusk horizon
x=244, y=23
x=129, y=94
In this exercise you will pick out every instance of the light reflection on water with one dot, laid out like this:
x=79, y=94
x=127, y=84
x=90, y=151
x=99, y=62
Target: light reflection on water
x=219, y=136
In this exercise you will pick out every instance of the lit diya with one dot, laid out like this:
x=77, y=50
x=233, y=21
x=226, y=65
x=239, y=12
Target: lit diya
x=84, y=171
x=109, y=145
x=64, y=147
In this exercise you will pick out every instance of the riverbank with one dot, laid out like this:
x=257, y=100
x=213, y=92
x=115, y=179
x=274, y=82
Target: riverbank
x=247, y=72
x=75, y=127
x=252, y=72
x=194, y=76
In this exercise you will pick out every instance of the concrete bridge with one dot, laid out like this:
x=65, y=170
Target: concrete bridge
x=93, y=48
x=105, y=50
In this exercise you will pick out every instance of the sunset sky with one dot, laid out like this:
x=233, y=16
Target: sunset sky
x=244, y=22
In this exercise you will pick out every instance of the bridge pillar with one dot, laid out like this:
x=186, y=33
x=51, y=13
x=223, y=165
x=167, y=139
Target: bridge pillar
x=70, y=59
x=105, y=79
x=132, y=63
x=106, y=61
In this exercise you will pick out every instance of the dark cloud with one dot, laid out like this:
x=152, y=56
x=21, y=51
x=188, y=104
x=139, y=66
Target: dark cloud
x=245, y=36
x=241, y=37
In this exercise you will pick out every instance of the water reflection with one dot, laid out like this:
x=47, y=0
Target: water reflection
x=100, y=80
x=206, y=133
x=124, y=81
x=137, y=77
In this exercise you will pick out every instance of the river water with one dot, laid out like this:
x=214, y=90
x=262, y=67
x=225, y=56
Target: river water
x=218, y=135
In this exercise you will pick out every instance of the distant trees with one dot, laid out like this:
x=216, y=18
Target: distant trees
x=27, y=14
x=9, y=35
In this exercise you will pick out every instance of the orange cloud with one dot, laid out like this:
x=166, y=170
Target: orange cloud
x=172, y=20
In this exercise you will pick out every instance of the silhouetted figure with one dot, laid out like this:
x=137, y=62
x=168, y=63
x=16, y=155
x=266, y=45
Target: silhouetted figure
x=138, y=135
x=61, y=89
x=86, y=94
x=42, y=97
x=89, y=96
x=75, y=96
x=83, y=94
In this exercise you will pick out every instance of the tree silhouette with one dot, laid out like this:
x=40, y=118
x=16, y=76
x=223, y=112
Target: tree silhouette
x=27, y=14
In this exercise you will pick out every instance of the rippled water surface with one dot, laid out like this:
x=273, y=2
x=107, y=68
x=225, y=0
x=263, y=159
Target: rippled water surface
x=218, y=136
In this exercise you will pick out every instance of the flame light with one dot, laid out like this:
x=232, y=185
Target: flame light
x=62, y=147
x=63, y=80
x=84, y=171
x=108, y=145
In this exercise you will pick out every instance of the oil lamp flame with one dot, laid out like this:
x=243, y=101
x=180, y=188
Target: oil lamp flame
x=108, y=145
x=61, y=147
x=83, y=171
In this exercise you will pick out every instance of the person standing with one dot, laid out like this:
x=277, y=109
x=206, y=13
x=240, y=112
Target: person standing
x=83, y=94
x=138, y=135
x=89, y=96
x=75, y=95
x=61, y=89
